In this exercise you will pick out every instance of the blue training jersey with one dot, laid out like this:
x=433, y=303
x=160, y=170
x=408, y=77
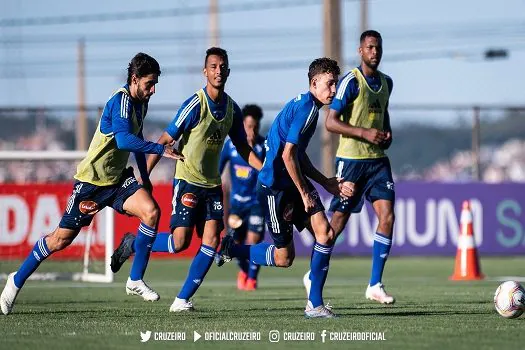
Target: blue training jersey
x=296, y=124
x=189, y=114
x=243, y=176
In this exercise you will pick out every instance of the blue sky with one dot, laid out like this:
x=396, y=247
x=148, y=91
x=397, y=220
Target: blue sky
x=432, y=49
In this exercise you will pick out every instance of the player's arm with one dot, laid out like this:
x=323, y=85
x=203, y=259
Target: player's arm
x=122, y=126
x=141, y=164
x=238, y=138
x=225, y=157
x=347, y=92
x=386, y=121
x=333, y=185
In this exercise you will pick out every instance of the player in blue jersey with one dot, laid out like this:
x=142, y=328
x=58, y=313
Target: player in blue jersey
x=359, y=113
x=245, y=218
x=288, y=196
x=200, y=126
x=102, y=179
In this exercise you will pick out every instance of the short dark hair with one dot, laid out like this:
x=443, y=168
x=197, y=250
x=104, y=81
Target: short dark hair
x=367, y=33
x=217, y=51
x=323, y=65
x=141, y=65
x=252, y=110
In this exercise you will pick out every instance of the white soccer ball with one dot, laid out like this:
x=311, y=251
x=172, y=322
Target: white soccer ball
x=509, y=299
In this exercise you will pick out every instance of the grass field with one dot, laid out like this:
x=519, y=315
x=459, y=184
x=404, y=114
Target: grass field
x=431, y=312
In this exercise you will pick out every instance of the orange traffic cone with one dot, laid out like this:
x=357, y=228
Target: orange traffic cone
x=467, y=262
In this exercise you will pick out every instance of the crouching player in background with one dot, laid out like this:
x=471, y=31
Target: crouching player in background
x=288, y=196
x=103, y=180
x=246, y=219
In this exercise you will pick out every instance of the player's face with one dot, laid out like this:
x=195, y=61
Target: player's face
x=145, y=86
x=216, y=71
x=251, y=126
x=371, y=51
x=324, y=87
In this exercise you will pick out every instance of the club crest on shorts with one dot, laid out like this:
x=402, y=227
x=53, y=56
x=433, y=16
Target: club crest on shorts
x=88, y=207
x=189, y=200
x=288, y=212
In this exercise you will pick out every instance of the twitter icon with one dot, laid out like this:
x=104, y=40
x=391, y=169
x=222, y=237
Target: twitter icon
x=144, y=337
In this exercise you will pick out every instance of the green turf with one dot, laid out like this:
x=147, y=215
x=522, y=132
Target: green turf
x=431, y=312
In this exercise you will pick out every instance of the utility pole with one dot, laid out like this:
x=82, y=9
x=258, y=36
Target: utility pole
x=81, y=136
x=363, y=19
x=214, y=23
x=332, y=49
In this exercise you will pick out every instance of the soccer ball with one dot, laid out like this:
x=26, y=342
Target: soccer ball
x=509, y=299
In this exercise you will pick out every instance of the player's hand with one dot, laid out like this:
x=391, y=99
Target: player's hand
x=374, y=136
x=308, y=201
x=387, y=141
x=172, y=153
x=346, y=189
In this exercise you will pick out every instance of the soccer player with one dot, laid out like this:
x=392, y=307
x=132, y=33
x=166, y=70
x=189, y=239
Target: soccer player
x=102, y=179
x=359, y=113
x=245, y=219
x=288, y=196
x=201, y=126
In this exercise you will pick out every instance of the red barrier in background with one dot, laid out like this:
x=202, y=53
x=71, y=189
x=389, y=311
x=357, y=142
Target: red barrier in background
x=30, y=211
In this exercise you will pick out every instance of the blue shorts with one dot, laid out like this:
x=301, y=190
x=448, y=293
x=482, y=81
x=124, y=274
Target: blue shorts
x=285, y=209
x=252, y=216
x=88, y=199
x=192, y=204
x=373, y=180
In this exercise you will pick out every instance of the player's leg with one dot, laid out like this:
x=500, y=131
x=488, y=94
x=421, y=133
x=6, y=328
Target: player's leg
x=142, y=205
x=254, y=236
x=85, y=201
x=382, y=196
x=213, y=213
x=278, y=209
x=237, y=228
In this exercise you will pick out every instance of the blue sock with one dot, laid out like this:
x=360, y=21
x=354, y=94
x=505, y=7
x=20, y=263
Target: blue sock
x=253, y=271
x=318, y=272
x=164, y=243
x=244, y=265
x=262, y=254
x=142, y=245
x=381, y=249
x=33, y=260
x=198, y=269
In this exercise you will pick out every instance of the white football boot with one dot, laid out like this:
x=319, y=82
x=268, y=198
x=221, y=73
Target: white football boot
x=9, y=294
x=142, y=289
x=307, y=283
x=322, y=311
x=378, y=293
x=181, y=305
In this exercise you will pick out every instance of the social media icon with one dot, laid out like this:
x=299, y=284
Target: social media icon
x=323, y=335
x=144, y=337
x=196, y=336
x=274, y=336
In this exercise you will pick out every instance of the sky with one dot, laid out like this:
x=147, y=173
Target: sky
x=433, y=50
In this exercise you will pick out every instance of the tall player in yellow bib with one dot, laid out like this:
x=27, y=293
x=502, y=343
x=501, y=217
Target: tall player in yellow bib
x=359, y=113
x=201, y=126
x=102, y=179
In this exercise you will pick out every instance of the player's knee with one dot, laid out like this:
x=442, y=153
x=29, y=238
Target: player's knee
x=387, y=220
x=151, y=214
x=284, y=261
x=181, y=242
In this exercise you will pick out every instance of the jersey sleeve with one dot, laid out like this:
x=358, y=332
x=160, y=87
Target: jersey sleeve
x=187, y=117
x=225, y=156
x=347, y=92
x=237, y=132
x=302, y=115
x=390, y=84
x=121, y=112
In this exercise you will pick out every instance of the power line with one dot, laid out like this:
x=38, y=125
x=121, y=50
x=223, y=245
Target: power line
x=165, y=13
